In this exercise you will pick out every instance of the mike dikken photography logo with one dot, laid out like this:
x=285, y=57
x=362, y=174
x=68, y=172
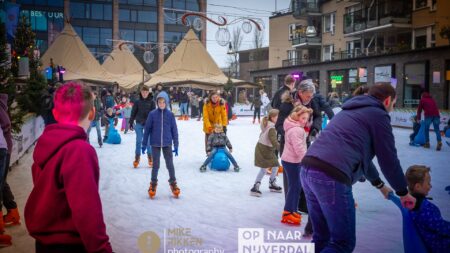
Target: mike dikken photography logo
x=250, y=240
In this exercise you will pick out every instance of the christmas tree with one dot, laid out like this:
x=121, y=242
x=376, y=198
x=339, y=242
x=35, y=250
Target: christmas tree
x=7, y=85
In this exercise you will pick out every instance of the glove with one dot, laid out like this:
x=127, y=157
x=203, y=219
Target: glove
x=175, y=150
x=313, y=132
x=143, y=149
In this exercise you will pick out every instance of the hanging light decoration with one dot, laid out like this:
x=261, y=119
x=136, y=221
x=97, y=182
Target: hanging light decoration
x=166, y=49
x=246, y=27
x=148, y=57
x=131, y=48
x=223, y=36
x=198, y=24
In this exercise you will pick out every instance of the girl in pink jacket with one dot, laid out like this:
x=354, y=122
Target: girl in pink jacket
x=294, y=150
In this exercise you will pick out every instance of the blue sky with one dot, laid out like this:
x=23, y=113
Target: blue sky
x=244, y=8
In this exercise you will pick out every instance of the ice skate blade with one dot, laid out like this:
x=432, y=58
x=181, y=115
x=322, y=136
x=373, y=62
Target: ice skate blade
x=255, y=194
x=277, y=191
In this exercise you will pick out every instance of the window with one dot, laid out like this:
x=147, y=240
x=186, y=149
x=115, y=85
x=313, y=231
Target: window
x=152, y=36
x=97, y=10
x=105, y=36
x=127, y=34
x=329, y=22
x=79, y=31
x=420, y=38
x=168, y=3
x=107, y=12
x=91, y=35
x=136, y=2
x=433, y=5
x=328, y=52
x=147, y=16
x=433, y=36
x=415, y=82
x=420, y=3
x=170, y=17
x=179, y=4
x=38, y=20
x=124, y=15
x=172, y=37
x=77, y=10
x=140, y=35
x=133, y=15
x=57, y=3
x=150, y=2
x=192, y=5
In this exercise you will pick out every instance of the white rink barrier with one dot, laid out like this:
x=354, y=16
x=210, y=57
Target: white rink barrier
x=30, y=132
x=402, y=118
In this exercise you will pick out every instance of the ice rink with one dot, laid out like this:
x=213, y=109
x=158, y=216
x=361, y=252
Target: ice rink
x=214, y=205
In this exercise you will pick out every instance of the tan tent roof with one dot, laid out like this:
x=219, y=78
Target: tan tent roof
x=191, y=65
x=123, y=63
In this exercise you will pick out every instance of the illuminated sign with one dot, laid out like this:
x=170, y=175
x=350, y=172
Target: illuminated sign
x=337, y=78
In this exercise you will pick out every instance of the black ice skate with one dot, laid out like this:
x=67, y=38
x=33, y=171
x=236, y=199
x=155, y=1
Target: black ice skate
x=255, y=190
x=273, y=186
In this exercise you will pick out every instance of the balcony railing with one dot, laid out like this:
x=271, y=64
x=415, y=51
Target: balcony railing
x=355, y=53
x=307, y=41
x=302, y=8
x=381, y=14
x=294, y=62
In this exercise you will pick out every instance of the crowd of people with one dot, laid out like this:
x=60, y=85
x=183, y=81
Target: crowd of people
x=317, y=179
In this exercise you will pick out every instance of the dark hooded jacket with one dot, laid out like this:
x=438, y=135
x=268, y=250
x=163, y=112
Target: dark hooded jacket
x=141, y=109
x=350, y=141
x=428, y=105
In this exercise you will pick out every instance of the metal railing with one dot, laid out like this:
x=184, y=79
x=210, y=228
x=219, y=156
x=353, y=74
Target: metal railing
x=357, y=52
x=304, y=40
x=301, y=8
x=294, y=62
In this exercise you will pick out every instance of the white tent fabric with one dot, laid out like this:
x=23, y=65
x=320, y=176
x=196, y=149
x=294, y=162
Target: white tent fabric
x=191, y=65
x=123, y=63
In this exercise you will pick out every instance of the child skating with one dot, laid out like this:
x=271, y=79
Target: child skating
x=161, y=127
x=218, y=139
x=265, y=156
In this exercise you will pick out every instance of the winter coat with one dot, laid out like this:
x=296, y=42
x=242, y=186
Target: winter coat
x=295, y=141
x=164, y=95
x=109, y=101
x=194, y=101
x=323, y=105
x=184, y=98
x=265, y=148
x=217, y=140
x=127, y=111
x=141, y=109
x=214, y=114
x=265, y=100
x=64, y=206
x=276, y=100
x=98, y=109
x=428, y=105
x=351, y=140
x=161, y=126
x=317, y=104
x=5, y=123
x=433, y=229
x=257, y=103
x=334, y=103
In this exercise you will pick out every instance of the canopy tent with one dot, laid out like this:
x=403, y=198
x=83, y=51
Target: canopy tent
x=123, y=63
x=191, y=65
x=70, y=52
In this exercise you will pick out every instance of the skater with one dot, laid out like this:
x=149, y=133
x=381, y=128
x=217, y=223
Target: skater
x=218, y=139
x=288, y=86
x=214, y=112
x=109, y=103
x=294, y=151
x=140, y=112
x=159, y=134
x=431, y=111
x=257, y=104
x=113, y=136
x=126, y=115
x=64, y=210
x=416, y=128
x=12, y=218
x=265, y=156
x=265, y=102
x=96, y=122
x=184, y=101
x=201, y=102
x=433, y=229
x=194, y=105
x=359, y=132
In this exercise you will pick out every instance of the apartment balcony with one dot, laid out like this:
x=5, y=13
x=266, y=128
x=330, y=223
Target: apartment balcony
x=357, y=52
x=305, y=8
x=306, y=42
x=384, y=16
x=295, y=62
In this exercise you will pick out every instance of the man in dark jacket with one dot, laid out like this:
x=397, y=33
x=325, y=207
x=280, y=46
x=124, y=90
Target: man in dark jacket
x=140, y=112
x=432, y=116
x=289, y=83
x=340, y=156
x=96, y=122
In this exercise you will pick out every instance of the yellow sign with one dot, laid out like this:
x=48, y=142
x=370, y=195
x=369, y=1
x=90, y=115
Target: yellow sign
x=333, y=84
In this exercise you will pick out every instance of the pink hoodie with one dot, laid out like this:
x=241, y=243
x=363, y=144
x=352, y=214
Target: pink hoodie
x=295, y=141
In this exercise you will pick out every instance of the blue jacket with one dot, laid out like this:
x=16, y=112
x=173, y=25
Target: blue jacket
x=162, y=128
x=433, y=229
x=354, y=136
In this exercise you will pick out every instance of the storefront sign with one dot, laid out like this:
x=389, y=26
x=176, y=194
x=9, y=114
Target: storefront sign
x=436, y=77
x=337, y=78
x=383, y=74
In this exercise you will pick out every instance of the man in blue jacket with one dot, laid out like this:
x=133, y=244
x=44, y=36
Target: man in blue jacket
x=340, y=156
x=161, y=127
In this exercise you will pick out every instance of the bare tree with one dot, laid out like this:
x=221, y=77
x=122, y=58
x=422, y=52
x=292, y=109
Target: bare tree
x=236, y=42
x=258, y=38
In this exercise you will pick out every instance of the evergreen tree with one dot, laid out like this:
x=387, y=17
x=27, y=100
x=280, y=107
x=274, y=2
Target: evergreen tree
x=7, y=85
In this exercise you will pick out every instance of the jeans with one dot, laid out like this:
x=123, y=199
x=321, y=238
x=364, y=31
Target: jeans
x=99, y=132
x=294, y=185
x=214, y=151
x=184, y=108
x=168, y=158
x=3, y=168
x=257, y=112
x=332, y=210
x=139, y=129
x=8, y=197
x=435, y=121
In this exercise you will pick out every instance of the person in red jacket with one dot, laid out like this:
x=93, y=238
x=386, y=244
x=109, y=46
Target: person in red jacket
x=64, y=211
x=431, y=111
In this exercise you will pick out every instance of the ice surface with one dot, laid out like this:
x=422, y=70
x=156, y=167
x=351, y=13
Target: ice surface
x=215, y=204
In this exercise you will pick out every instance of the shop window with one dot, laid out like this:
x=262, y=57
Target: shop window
x=415, y=82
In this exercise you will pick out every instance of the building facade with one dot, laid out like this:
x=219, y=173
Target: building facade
x=344, y=44
x=100, y=23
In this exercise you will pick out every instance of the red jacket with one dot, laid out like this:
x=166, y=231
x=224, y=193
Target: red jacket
x=428, y=105
x=64, y=206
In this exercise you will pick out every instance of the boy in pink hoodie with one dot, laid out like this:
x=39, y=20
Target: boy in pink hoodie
x=294, y=150
x=64, y=211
